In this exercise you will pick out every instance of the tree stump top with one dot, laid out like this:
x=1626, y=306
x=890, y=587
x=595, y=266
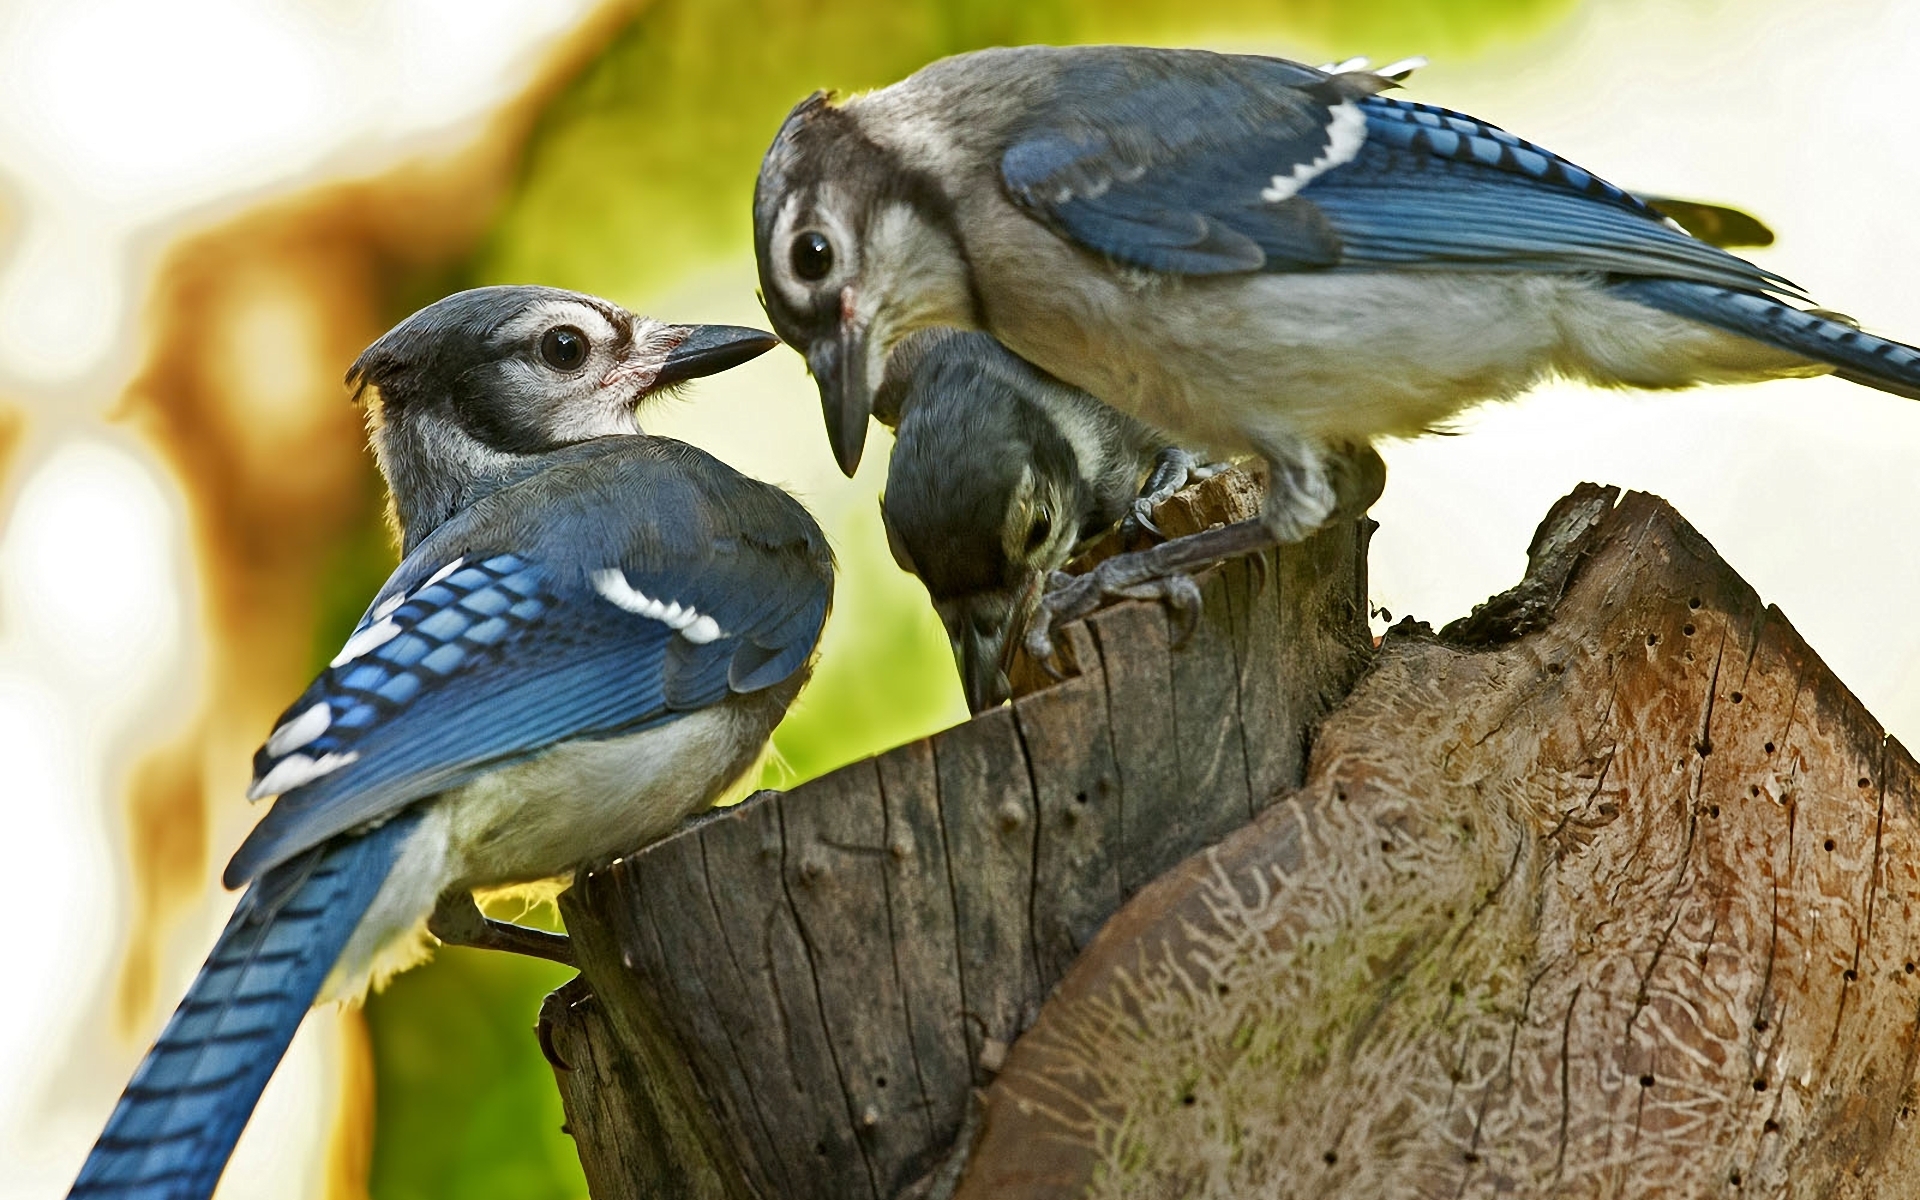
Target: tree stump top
x=1624, y=905
x=796, y=996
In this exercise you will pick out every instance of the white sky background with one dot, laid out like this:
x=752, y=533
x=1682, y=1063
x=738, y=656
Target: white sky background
x=1809, y=488
x=118, y=118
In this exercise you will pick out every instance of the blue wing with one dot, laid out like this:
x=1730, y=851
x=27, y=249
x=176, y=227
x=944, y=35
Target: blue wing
x=1195, y=164
x=634, y=591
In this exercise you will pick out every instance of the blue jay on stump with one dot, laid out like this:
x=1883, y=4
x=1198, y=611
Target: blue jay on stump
x=1000, y=475
x=1256, y=256
x=590, y=637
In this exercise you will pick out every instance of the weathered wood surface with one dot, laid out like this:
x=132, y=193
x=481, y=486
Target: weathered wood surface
x=798, y=996
x=1611, y=892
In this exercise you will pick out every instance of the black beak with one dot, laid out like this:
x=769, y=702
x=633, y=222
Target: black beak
x=839, y=366
x=980, y=655
x=710, y=349
x=985, y=629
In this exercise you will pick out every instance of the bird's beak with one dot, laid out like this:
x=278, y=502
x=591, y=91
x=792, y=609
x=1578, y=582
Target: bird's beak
x=710, y=349
x=839, y=366
x=983, y=675
x=984, y=631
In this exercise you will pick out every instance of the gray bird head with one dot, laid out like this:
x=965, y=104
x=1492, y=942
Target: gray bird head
x=857, y=248
x=467, y=394
x=981, y=501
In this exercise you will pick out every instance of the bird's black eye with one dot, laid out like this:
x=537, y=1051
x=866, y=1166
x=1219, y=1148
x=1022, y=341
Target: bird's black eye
x=812, y=255
x=1039, y=531
x=564, y=347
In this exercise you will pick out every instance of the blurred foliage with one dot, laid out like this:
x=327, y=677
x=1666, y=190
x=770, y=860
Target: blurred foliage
x=645, y=169
x=465, y=1103
x=637, y=177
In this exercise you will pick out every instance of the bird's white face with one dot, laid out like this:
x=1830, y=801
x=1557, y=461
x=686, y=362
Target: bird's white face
x=576, y=370
x=816, y=250
x=846, y=281
x=470, y=387
x=856, y=249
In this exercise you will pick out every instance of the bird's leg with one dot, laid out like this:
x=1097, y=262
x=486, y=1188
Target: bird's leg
x=1359, y=475
x=458, y=921
x=1173, y=469
x=1162, y=572
x=1348, y=481
x=1300, y=490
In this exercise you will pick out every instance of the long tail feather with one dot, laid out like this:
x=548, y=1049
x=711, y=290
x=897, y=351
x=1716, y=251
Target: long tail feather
x=177, y=1122
x=1854, y=354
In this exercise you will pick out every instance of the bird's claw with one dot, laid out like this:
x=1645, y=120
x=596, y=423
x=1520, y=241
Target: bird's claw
x=1180, y=593
x=1138, y=523
x=1257, y=564
x=1126, y=577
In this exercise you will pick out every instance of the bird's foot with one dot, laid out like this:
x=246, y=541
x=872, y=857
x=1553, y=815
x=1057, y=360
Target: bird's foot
x=1163, y=572
x=1173, y=469
x=458, y=921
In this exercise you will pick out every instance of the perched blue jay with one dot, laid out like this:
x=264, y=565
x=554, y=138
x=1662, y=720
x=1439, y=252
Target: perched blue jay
x=590, y=637
x=999, y=474
x=1253, y=255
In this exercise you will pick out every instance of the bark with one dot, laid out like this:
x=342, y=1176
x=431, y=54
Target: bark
x=1607, y=890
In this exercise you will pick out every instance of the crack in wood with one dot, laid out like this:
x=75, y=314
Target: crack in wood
x=893, y=953
x=820, y=1003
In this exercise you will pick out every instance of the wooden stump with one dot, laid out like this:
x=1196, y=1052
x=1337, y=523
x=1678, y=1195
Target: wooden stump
x=797, y=996
x=1611, y=893
x=1605, y=891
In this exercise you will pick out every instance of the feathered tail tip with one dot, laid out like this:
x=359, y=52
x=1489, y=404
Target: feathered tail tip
x=170, y=1135
x=1817, y=334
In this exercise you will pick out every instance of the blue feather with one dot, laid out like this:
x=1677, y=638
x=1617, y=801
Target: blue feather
x=1854, y=354
x=515, y=650
x=1164, y=161
x=177, y=1122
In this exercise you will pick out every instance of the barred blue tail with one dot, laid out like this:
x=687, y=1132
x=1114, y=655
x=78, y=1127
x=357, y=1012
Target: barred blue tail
x=175, y=1125
x=1855, y=355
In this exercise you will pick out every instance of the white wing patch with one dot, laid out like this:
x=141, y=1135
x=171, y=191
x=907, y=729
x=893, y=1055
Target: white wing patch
x=371, y=638
x=1346, y=133
x=296, y=770
x=694, y=626
x=299, y=731
x=382, y=630
x=437, y=576
x=1397, y=70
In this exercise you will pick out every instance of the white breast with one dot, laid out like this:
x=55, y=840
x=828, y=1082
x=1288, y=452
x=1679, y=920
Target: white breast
x=1229, y=362
x=580, y=804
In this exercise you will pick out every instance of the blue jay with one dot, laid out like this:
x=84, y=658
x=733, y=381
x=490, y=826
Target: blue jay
x=1256, y=256
x=1000, y=473
x=590, y=636
x=990, y=452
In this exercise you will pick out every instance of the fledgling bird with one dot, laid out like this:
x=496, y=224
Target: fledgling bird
x=1253, y=255
x=590, y=636
x=999, y=474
